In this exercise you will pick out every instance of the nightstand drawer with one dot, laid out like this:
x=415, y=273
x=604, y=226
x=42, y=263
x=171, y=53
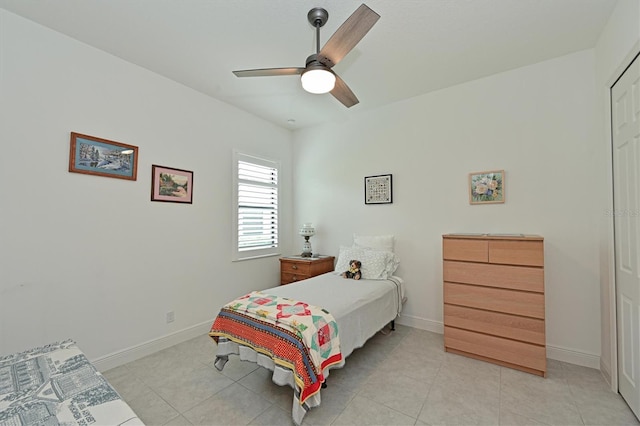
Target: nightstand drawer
x=294, y=269
x=286, y=277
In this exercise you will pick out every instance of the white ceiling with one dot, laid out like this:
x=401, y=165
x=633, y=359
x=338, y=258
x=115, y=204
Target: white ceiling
x=416, y=47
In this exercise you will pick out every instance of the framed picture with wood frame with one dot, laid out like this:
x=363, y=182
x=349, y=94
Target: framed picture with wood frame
x=486, y=187
x=171, y=185
x=101, y=157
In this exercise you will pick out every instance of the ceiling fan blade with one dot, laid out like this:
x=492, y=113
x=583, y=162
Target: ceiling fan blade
x=348, y=35
x=268, y=72
x=342, y=93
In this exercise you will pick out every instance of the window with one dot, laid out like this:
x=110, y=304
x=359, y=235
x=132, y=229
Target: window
x=256, y=213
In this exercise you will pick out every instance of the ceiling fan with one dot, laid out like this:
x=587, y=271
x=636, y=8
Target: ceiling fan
x=317, y=76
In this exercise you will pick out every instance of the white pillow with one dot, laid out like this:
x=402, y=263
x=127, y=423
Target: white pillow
x=376, y=264
x=392, y=265
x=377, y=242
x=345, y=255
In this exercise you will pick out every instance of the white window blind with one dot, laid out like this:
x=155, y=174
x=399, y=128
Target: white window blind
x=257, y=206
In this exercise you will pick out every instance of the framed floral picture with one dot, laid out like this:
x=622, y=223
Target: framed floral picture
x=171, y=185
x=486, y=187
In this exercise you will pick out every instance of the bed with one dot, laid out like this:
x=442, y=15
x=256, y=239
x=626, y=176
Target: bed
x=56, y=384
x=357, y=309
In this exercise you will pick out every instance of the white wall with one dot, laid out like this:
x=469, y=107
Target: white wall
x=538, y=123
x=617, y=45
x=92, y=258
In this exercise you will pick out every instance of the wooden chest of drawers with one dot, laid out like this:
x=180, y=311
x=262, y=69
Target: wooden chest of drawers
x=294, y=269
x=494, y=299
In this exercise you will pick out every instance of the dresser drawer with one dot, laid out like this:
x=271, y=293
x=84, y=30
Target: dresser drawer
x=495, y=299
x=469, y=250
x=529, y=330
x=496, y=348
x=504, y=276
x=530, y=253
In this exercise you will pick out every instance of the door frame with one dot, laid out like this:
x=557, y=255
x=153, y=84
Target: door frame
x=612, y=288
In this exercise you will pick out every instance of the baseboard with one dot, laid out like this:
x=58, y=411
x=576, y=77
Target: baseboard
x=605, y=370
x=573, y=357
x=421, y=323
x=133, y=353
x=553, y=352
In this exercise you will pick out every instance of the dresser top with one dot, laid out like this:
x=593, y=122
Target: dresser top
x=479, y=236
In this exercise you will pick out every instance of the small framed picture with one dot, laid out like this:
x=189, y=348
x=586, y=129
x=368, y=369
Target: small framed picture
x=171, y=185
x=101, y=157
x=378, y=189
x=486, y=187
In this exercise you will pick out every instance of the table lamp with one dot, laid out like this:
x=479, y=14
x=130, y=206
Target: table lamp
x=307, y=231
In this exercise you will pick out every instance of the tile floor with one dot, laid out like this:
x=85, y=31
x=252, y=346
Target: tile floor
x=400, y=378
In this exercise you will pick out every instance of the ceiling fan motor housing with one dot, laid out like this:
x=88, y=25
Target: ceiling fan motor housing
x=318, y=16
x=313, y=62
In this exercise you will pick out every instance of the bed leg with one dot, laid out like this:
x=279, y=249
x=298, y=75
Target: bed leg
x=393, y=325
x=324, y=384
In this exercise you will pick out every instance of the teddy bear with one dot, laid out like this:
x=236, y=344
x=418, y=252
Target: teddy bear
x=354, y=270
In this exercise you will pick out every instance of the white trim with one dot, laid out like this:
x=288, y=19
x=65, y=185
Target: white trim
x=421, y=323
x=133, y=353
x=613, y=296
x=606, y=373
x=553, y=352
x=237, y=255
x=572, y=356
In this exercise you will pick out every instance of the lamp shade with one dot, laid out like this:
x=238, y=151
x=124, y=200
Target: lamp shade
x=318, y=80
x=307, y=230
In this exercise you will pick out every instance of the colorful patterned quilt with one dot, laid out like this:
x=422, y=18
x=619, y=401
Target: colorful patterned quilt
x=296, y=335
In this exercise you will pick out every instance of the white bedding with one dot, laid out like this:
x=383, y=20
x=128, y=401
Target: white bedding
x=361, y=308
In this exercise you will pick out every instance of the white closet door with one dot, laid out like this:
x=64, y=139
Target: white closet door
x=625, y=110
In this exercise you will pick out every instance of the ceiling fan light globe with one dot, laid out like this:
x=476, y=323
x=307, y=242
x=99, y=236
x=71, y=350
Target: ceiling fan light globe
x=318, y=81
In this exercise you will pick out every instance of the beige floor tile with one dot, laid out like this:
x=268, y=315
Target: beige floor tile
x=178, y=421
x=163, y=367
x=234, y=405
x=152, y=409
x=235, y=369
x=260, y=381
x=273, y=416
x=397, y=391
x=403, y=377
x=334, y=400
x=363, y=411
x=547, y=400
x=201, y=349
x=187, y=391
x=508, y=418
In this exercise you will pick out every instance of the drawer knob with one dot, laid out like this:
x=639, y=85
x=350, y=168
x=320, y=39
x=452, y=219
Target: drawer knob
x=294, y=267
x=295, y=278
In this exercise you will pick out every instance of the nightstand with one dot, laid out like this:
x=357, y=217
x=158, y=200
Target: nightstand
x=297, y=268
